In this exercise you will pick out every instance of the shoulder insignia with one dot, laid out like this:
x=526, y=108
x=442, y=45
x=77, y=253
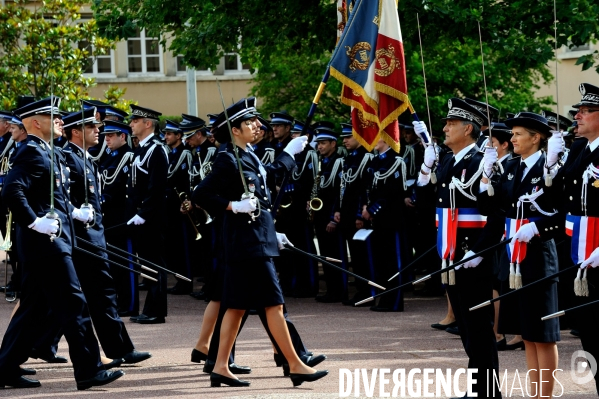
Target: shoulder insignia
x=31, y=144
x=535, y=180
x=467, y=156
x=510, y=176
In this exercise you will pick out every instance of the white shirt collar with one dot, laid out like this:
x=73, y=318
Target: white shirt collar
x=458, y=157
x=144, y=141
x=530, y=162
x=594, y=144
x=503, y=157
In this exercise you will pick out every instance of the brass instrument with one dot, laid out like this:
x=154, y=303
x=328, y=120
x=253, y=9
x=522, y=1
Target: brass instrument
x=183, y=198
x=315, y=203
x=6, y=246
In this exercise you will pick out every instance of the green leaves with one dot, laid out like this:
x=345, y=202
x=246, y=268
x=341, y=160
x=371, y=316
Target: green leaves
x=40, y=50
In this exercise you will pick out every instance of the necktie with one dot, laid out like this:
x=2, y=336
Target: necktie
x=520, y=174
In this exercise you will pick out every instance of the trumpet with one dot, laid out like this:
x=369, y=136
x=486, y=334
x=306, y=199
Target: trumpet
x=183, y=197
x=315, y=203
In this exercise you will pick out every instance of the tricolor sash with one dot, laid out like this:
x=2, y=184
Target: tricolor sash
x=448, y=221
x=584, y=231
x=516, y=250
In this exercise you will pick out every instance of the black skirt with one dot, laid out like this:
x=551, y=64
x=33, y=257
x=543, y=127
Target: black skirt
x=251, y=284
x=541, y=299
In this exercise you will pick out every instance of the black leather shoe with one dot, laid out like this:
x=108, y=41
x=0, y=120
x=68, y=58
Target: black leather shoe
x=312, y=361
x=19, y=382
x=453, y=330
x=136, y=357
x=299, y=379
x=25, y=371
x=199, y=295
x=517, y=345
x=102, y=378
x=574, y=332
x=216, y=380
x=197, y=356
x=326, y=298
x=233, y=368
x=113, y=364
x=128, y=313
x=444, y=327
x=48, y=358
x=145, y=319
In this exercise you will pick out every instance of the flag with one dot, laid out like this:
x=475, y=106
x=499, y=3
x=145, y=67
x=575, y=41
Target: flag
x=369, y=61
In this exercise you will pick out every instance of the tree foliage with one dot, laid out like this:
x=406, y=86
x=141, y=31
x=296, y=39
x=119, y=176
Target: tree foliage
x=39, y=51
x=290, y=43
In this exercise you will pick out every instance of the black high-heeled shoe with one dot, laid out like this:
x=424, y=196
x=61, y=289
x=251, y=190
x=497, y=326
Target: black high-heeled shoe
x=216, y=380
x=279, y=359
x=197, y=356
x=298, y=379
x=517, y=345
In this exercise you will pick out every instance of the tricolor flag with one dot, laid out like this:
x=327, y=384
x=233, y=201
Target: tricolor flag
x=369, y=61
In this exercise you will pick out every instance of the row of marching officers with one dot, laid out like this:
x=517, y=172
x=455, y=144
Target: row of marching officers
x=66, y=282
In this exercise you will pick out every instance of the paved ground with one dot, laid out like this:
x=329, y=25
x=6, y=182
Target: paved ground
x=351, y=337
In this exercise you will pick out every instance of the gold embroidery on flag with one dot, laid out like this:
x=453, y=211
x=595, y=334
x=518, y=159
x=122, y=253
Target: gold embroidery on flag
x=387, y=60
x=361, y=48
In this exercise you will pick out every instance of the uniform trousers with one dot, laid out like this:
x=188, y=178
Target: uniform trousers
x=148, y=242
x=298, y=274
x=473, y=286
x=127, y=294
x=390, y=252
x=333, y=246
x=360, y=262
x=99, y=289
x=52, y=284
x=178, y=241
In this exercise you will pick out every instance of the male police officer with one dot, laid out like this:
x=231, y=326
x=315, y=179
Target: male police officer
x=145, y=206
x=49, y=278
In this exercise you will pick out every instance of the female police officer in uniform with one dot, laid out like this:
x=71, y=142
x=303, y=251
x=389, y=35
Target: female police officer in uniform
x=249, y=238
x=532, y=222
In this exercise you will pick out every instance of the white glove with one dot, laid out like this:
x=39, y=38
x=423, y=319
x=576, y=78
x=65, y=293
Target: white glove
x=592, y=260
x=45, y=225
x=84, y=214
x=489, y=159
x=246, y=205
x=296, y=145
x=526, y=232
x=555, y=145
x=136, y=220
x=421, y=130
x=282, y=240
x=471, y=263
x=430, y=157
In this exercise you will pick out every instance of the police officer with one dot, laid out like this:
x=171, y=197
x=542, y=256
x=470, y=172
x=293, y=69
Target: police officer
x=113, y=176
x=577, y=184
x=386, y=184
x=95, y=276
x=327, y=189
x=281, y=124
x=348, y=210
x=146, y=203
x=49, y=278
x=298, y=275
x=261, y=145
x=457, y=173
x=180, y=234
x=250, y=278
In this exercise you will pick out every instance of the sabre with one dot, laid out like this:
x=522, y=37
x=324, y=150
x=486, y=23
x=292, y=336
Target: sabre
x=324, y=262
x=563, y=312
x=403, y=269
x=164, y=269
x=448, y=268
x=490, y=189
x=246, y=192
x=86, y=203
x=487, y=303
x=428, y=110
x=52, y=214
x=115, y=226
x=116, y=255
x=114, y=263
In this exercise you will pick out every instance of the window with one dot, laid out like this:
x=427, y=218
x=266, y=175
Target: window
x=233, y=63
x=99, y=64
x=574, y=52
x=143, y=54
x=584, y=47
x=181, y=66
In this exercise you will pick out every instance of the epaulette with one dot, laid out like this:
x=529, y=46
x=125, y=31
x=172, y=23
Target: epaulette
x=31, y=144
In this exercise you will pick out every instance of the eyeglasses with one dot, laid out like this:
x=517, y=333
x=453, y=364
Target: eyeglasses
x=586, y=111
